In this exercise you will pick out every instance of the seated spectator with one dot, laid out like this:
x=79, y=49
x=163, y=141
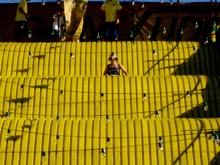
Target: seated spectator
x=58, y=24
x=113, y=69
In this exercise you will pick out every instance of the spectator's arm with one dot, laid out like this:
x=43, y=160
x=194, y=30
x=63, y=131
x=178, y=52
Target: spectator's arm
x=106, y=69
x=117, y=16
x=22, y=12
x=123, y=69
x=55, y=17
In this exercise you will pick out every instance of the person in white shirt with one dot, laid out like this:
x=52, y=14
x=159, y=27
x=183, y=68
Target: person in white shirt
x=58, y=24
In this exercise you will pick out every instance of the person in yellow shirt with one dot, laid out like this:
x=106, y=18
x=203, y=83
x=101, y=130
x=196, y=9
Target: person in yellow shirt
x=21, y=20
x=111, y=9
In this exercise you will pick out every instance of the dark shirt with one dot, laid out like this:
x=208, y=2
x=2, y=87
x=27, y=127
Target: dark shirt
x=113, y=70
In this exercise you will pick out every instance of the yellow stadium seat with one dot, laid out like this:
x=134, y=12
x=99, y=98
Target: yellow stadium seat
x=35, y=61
x=124, y=141
x=123, y=96
x=91, y=58
x=60, y=102
x=166, y=138
x=65, y=157
x=95, y=141
x=104, y=56
x=153, y=145
x=73, y=96
x=184, y=141
x=140, y=98
x=88, y=142
x=54, y=141
x=42, y=56
x=24, y=141
x=160, y=60
x=85, y=99
x=165, y=49
x=174, y=142
x=181, y=142
x=98, y=60
x=76, y=61
x=127, y=91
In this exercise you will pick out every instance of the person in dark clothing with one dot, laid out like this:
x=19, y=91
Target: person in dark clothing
x=113, y=69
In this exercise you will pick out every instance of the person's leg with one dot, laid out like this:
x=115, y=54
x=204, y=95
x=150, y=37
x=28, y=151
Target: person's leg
x=102, y=29
x=56, y=35
x=17, y=31
x=112, y=31
x=107, y=30
x=23, y=31
x=117, y=30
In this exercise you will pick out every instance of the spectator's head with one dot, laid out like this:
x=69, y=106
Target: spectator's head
x=59, y=9
x=28, y=0
x=113, y=57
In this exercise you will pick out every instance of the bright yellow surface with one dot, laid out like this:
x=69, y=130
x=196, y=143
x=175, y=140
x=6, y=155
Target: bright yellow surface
x=90, y=58
x=19, y=16
x=185, y=141
x=133, y=129
x=123, y=97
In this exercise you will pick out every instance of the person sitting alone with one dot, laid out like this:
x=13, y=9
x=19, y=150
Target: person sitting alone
x=113, y=69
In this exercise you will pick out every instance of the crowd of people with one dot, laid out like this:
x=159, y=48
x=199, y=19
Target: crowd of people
x=111, y=9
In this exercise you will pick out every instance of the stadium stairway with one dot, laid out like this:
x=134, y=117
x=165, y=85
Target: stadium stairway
x=79, y=141
x=170, y=101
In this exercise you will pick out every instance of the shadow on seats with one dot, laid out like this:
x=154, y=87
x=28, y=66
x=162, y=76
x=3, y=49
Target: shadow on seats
x=39, y=86
x=20, y=100
x=209, y=94
x=14, y=138
x=40, y=56
x=215, y=160
x=26, y=126
x=54, y=47
x=22, y=70
x=161, y=60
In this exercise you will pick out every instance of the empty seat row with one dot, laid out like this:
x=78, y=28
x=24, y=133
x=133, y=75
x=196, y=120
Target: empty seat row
x=91, y=58
x=125, y=142
x=118, y=96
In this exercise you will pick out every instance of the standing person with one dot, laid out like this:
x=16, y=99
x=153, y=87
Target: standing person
x=113, y=69
x=58, y=24
x=21, y=18
x=111, y=9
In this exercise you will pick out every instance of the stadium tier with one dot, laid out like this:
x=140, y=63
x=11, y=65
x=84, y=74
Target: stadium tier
x=121, y=142
x=91, y=58
x=57, y=108
x=117, y=96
